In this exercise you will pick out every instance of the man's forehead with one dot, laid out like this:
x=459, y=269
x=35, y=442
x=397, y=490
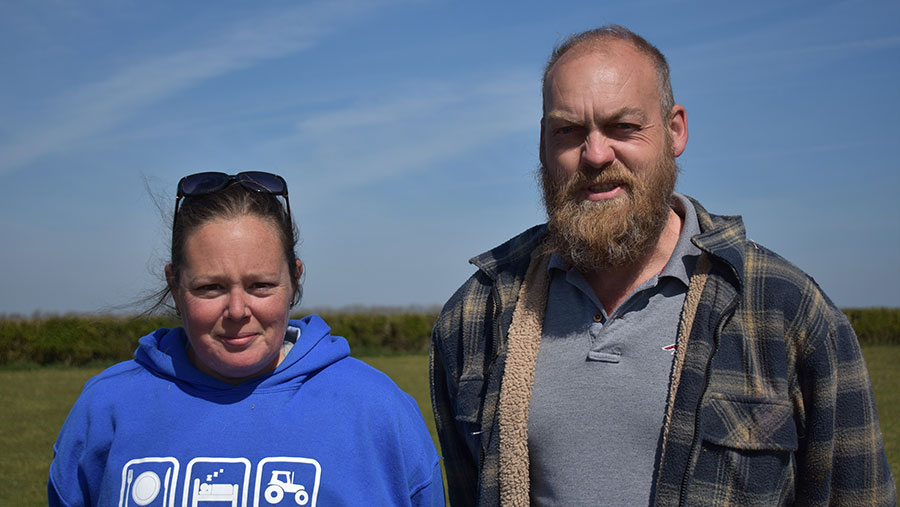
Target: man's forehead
x=610, y=62
x=616, y=54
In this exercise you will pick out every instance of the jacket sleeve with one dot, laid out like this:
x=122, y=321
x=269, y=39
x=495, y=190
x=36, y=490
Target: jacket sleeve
x=841, y=459
x=445, y=369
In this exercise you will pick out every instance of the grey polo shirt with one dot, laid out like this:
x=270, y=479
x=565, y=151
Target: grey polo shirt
x=601, y=382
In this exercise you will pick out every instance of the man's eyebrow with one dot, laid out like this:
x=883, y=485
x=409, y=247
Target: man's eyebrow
x=616, y=115
x=631, y=111
x=560, y=116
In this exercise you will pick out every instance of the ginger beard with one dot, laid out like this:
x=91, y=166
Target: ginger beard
x=593, y=235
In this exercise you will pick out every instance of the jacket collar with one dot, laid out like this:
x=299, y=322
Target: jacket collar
x=724, y=238
x=516, y=251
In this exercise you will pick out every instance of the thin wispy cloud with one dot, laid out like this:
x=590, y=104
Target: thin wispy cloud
x=400, y=123
x=378, y=114
x=746, y=49
x=100, y=105
x=414, y=127
x=795, y=35
x=855, y=46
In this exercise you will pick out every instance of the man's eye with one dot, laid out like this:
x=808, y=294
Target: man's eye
x=627, y=127
x=561, y=131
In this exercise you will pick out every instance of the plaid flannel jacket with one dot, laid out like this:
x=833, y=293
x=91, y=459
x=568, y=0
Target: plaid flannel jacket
x=770, y=402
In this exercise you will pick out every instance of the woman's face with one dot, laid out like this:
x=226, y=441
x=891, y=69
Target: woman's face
x=234, y=296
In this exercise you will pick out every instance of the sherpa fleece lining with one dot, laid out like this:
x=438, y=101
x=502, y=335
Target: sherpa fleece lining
x=518, y=379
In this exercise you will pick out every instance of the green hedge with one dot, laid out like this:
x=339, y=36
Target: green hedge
x=373, y=334
x=74, y=340
x=78, y=340
x=875, y=326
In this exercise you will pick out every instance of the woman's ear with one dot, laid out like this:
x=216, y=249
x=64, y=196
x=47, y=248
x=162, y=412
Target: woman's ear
x=295, y=283
x=170, y=281
x=170, y=277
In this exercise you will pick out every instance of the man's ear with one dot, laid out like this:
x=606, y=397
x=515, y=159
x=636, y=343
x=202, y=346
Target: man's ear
x=678, y=129
x=542, y=155
x=299, y=270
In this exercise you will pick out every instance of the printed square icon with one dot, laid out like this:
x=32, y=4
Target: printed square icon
x=149, y=482
x=287, y=481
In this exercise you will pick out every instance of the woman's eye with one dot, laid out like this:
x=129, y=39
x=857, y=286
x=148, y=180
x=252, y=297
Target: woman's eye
x=207, y=290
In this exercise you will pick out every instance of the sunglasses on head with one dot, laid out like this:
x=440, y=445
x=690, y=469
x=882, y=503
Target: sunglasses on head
x=210, y=182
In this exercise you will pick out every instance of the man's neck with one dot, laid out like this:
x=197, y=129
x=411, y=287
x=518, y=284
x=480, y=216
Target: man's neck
x=613, y=285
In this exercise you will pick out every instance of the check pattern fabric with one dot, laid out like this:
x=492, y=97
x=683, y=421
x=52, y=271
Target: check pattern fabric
x=770, y=402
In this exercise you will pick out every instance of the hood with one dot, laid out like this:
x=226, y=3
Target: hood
x=163, y=352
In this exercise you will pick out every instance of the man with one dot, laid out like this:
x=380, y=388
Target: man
x=637, y=349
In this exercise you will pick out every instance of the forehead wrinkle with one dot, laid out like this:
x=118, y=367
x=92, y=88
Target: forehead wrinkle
x=624, y=83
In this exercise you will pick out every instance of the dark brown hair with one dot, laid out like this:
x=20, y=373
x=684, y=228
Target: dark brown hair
x=230, y=203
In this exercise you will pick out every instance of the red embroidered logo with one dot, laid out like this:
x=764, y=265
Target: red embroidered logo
x=670, y=349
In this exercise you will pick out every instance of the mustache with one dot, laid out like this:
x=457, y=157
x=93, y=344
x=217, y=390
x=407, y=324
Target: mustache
x=614, y=173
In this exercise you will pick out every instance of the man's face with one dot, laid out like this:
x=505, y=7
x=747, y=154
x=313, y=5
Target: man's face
x=608, y=164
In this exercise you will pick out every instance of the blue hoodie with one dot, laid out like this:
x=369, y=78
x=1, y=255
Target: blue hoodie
x=322, y=429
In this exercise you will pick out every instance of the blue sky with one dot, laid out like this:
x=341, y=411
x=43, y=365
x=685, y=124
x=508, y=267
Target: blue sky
x=407, y=132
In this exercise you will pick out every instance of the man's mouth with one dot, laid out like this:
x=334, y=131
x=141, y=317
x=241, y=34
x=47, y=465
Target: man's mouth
x=603, y=191
x=605, y=187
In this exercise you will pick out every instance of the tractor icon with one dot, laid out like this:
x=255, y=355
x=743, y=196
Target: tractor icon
x=283, y=482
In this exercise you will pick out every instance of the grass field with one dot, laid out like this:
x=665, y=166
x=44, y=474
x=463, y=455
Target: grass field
x=882, y=362
x=37, y=401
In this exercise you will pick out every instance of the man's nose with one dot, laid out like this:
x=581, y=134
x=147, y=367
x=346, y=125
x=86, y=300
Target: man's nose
x=597, y=151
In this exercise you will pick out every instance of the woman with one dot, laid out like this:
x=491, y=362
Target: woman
x=241, y=405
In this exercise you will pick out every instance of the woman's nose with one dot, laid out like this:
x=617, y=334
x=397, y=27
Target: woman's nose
x=237, y=304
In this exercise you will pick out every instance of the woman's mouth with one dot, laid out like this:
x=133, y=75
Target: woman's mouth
x=238, y=340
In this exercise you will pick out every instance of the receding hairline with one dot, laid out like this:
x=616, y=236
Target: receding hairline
x=594, y=47
x=604, y=40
